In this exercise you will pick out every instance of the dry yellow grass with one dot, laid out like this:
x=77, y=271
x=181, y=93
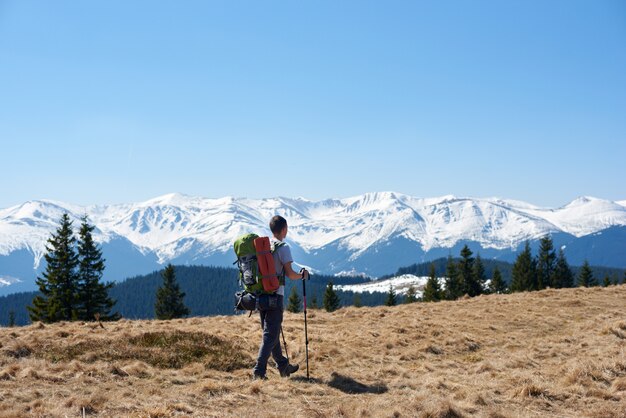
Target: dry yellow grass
x=556, y=353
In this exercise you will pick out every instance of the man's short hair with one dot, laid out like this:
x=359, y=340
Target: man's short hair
x=277, y=224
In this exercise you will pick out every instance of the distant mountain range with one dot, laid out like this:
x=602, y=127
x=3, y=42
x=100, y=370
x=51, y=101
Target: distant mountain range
x=374, y=233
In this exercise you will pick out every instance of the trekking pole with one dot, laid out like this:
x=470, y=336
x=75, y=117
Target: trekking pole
x=306, y=331
x=285, y=343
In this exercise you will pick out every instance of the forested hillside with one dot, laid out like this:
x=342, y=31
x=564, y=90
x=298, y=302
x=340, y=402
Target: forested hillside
x=209, y=291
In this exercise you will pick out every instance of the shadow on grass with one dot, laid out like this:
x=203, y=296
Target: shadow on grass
x=349, y=385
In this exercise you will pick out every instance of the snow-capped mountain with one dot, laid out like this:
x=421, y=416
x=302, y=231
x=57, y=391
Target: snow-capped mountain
x=374, y=233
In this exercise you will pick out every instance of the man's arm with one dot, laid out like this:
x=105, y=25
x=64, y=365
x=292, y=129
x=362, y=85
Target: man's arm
x=292, y=274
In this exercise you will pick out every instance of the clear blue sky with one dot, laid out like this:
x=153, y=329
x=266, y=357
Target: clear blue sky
x=121, y=101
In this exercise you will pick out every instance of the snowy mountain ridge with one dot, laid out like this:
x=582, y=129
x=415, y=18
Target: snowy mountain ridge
x=329, y=235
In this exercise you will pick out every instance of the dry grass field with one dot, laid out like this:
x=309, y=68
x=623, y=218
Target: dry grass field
x=554, y=353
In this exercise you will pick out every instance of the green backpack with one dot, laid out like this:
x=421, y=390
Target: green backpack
x=249, y=274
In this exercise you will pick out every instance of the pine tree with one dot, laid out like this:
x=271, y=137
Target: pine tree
x=391, y=300
x=615, y=279
x=411, y=295
x=11, y=318
x=466, y=276
x=524, y=271
x=331, y=300
x=478, y=275
x=546, y=260
x=585, y=277
x=453, y=284
x=497, y=283
x=432, y=291
x=607, y=281
x=357, y=300
x=314, y=304
x=562, y=275
x=58, y=285
x=294, y=301
x=169, y=298
x=93, y=295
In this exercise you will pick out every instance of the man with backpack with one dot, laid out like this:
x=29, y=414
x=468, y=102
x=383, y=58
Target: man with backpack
x=271, y=309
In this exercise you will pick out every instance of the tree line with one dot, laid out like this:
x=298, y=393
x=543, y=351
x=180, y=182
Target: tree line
x=466, y=276
x=551, y=270
x=71, y=287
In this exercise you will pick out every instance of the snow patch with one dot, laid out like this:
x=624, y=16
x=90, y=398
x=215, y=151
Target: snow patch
x=399, y=284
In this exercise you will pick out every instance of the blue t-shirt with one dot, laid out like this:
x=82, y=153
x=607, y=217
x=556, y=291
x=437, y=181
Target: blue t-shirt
x=282, y=256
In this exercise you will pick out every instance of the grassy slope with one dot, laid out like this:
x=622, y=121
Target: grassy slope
x=559, y=353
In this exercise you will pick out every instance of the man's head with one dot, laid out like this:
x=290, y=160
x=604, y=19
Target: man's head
x=278, y=226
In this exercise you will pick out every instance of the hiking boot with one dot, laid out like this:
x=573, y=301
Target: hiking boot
x=291, y=368
x=258, y=376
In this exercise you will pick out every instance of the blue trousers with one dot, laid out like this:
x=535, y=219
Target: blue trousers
x=271, y=321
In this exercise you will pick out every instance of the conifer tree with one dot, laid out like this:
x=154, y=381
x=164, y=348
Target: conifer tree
x=391, y=300
x=432, y=290
x=524, y=271
x=466, y=276
x=615, y=279
x=93, y=295
x=546, y=260
x=453, y=284
x=478, y=275
x=294, y=301
x=314, y=304
x=607, y=281
x=562, y=275
x=585, y=277
x=357, y=300
x=169, y=298
x=411, y=295
x=59, y=283
x=11, y=318
x=331, y=300
x=497, y=283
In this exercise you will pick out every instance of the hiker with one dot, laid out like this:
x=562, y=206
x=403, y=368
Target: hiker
x=272, y=317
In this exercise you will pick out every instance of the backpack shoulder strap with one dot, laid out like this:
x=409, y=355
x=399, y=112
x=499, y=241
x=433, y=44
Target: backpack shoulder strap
x=276, y=245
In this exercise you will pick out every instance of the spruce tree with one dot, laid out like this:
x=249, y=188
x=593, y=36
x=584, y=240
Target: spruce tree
x=524, y=271
x=313, y=304
x=497, y=283
x=478, y=275
x=58, y=285
x=453, y=284
x=466, y=273
x=11, y=318
x=615, y=279
x=546, y=260
x=357, y=300
x=391, y=300
x=331, y=300
x=607, y=281
x=411, y=295
x=585, y=277
x=169, y=298
x=562, y=275
x=432, y=291
x=93, y=295
x=294, y=301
